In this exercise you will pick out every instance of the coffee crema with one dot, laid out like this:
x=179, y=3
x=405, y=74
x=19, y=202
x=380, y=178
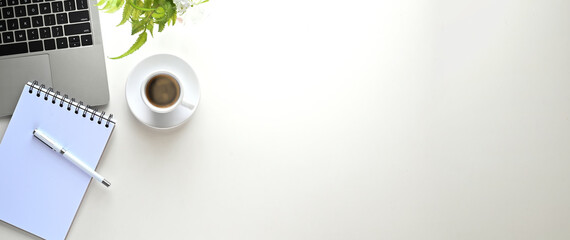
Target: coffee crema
x=162, y=90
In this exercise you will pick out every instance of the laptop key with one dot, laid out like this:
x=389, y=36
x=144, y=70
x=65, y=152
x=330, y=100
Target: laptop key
x=74, y=41
x=2, y=3
x=33, y=9
x=82, y=4
x=36, y=46
x=2, y=25
x=45, y=32
x=20, y=35
x=49, y=20
x=38, y=21
x=13, y=24
x=20, y=11
x=49, y=44
x=80, y=16
x=86, y=40
x=25, y=22
x=15, y=48
x=61, y=18
x=8, y=37
x=33, y=34
x=45, y=8
x=57, y=31
x=12, y=2
x=25, y=1
x=57, y=7
x=69, y=5
x=8, y=12
x=61, y=43
x=78, y=28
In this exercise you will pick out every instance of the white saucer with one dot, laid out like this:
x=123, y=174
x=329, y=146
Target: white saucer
x=167, y=63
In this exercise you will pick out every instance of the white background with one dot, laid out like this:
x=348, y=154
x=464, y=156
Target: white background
x=346, y=120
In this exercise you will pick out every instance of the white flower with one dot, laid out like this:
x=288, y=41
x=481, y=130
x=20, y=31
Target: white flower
x=183, y=5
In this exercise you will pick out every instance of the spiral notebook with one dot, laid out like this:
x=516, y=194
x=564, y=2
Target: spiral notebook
x=40, y=191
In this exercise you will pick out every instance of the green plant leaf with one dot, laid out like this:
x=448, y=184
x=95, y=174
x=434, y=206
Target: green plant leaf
x=157, y=15
x=111, y=6
x=138, y=43
x=150, y=28
x=138, y=26
x=145, y=16
x=173, y=19
x=127, y=11
x=147, y=4
x=146, y=9
x=116, y=5
x=136, y=13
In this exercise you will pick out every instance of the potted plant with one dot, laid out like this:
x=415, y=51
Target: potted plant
x=146, y=16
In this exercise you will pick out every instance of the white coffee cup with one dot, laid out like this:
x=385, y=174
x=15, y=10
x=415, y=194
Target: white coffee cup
x=162, y=92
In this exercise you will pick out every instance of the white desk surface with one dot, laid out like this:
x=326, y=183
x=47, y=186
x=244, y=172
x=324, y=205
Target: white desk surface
x=347, y=120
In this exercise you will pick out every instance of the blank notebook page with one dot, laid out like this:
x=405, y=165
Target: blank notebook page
x=40, y=190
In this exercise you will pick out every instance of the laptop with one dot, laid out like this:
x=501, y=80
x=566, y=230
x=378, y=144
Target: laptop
x=56, y=42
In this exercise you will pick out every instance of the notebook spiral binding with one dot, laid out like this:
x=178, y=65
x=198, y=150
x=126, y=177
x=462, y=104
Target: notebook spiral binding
x=78, y=108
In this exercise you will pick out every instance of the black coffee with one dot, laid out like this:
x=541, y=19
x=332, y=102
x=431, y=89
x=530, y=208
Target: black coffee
x=162, y=90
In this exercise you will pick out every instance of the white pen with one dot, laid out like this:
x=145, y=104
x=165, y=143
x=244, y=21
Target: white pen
x=58, y=148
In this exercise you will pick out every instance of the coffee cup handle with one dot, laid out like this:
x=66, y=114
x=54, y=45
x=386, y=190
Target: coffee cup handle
x=188, y=105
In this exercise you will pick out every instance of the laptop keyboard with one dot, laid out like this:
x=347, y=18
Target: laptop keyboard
x=43, y=25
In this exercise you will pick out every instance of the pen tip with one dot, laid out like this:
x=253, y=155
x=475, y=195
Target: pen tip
x=106, y=183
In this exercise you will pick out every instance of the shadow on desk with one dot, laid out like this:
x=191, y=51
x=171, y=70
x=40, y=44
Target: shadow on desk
x=14, y=233
x=3, y=125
